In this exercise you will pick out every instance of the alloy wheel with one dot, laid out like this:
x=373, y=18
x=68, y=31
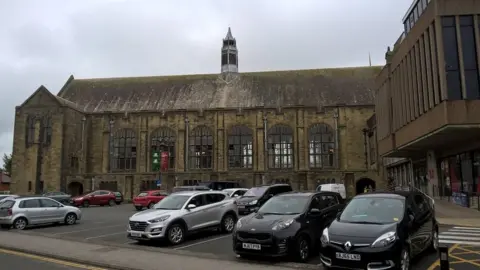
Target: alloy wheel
x=176, y=234
x=20, y=224
x=303, y=250
x=228, y=224
x=70, y=219
x=151, y=205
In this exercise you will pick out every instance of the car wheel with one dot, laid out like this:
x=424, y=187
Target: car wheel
x=176, y=234
x=70, y=219
x=111, y=202
x=404, y=260
x=151, y=205
x=86, y=204
x=20, y=223
x=435, y=241
x=302, y=249
x=139, y=208
x=228, y=223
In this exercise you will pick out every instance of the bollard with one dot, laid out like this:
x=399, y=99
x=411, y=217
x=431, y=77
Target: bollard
x=444, y=263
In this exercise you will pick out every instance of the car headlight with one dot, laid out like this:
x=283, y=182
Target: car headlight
x=160, y=219
x=324, y=238
x=253, y=202
x=385, y=239
x=283, y=225
x=239, y=224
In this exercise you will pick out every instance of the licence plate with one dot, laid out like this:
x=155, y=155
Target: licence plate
x=252, y=246
x=347, y=256
x=133, y=234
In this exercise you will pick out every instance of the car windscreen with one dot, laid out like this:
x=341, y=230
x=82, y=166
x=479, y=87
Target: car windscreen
x=172, y=202
x=285, y=205
x=255, y=192
x=373, y=210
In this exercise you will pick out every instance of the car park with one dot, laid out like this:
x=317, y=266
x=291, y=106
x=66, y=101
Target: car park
x=235, y=192
x=339, y=188
x=148, y=199
x=255, y=197
x=219, y=185
x=21, y=212
x=380, y=230
x=189, y=188
x=287, y=224
x=99, y=197
x=183, y=213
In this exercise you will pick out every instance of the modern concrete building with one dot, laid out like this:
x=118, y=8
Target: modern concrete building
x=428, y=99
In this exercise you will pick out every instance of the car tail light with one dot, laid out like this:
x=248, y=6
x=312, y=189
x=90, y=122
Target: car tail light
x=9, y=212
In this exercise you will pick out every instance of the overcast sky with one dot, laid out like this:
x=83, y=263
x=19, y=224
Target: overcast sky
x=43, y=42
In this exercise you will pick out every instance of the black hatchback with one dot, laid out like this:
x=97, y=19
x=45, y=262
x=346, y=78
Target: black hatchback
x=380, y=230
x=287, y=224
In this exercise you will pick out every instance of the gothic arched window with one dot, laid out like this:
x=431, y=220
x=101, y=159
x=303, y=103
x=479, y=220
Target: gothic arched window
x=30, y=131
x=124, y=150
x=47, y=131
x=163, y=140
x=240, y=147
x=321, y=146
x=280, y=147
x=200, y=146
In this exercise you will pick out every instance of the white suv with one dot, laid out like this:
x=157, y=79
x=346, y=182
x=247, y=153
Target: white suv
x=184, y=212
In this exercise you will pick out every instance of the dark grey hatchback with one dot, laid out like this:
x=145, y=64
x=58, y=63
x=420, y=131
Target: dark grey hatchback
x=382, y=230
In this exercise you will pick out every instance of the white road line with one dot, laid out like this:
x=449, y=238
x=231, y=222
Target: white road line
x=459, y=233
x=104, y=235
x=458, y=237
x=465, y=231
x=90, y=229
x=467, y=243
x=202, y=242
x=468, y=228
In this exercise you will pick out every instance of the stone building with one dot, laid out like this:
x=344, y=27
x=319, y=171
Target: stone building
x=303, y=127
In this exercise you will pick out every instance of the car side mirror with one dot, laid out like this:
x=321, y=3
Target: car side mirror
x=338, y=215
x=191, y=206
x=59, y=206
x=411, y=218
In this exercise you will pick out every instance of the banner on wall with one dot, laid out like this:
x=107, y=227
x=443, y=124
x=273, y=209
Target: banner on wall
x=164, y=166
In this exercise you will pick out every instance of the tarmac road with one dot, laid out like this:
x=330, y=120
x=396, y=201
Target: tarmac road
x=22, y=261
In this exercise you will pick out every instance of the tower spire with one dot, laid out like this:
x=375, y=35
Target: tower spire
x=229, y=62
x=369, y=59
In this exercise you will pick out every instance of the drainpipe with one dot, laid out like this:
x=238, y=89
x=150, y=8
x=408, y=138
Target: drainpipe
x=265, y=147
x=337, y=137
x=187, y=121
x=365, y=146
x=83, y=133
x=38, y=176
x=110, y=144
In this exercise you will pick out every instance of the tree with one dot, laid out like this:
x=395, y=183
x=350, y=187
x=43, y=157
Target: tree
x=7, y=164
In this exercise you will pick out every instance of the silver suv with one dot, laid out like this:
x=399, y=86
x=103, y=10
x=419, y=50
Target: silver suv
x=21, y=212
x=182, y=213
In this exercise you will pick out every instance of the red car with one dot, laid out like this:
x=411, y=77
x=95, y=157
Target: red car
x=99, y=197
x=148, y=198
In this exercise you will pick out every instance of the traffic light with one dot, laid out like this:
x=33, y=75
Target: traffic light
x=156, y=161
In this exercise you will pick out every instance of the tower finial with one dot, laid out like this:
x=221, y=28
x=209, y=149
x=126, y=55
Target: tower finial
x=229, y=54
x=369, y=59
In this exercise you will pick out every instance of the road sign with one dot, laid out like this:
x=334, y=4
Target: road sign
x=158, y=182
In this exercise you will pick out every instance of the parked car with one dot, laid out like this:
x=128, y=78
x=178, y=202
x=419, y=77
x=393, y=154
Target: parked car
x=118, y=197
x=255, y=197
x=7, y=196
x=183, y=213
x=287, y=224
x=99, y=197
x=148, y=198
x=380, y=230
x=339, y=188
x=189, y=188
x=219, y=185
x=61, y=197
x=235, y=192
x=21, y=212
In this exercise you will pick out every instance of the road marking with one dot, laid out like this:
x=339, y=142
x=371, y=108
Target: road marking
x=202, y=242
x=468, y=228
x=443, y=236
x=50, y=260
x=104, y=235
x=460, y=235
x=458, y=242
x=90, y=229
x=437, y=262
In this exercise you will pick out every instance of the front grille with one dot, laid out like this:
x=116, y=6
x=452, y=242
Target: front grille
x=257, y=236
x=138, y=226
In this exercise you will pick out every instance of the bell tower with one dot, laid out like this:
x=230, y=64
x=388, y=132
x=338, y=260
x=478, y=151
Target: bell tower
x=229, y=54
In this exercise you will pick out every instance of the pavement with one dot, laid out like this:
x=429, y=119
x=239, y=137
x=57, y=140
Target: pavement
x=23, y=261
x=100, y=238
x=448, y=213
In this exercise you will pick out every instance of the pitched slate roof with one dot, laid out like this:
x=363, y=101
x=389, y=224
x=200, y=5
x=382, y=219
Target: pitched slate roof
x=319, y=87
